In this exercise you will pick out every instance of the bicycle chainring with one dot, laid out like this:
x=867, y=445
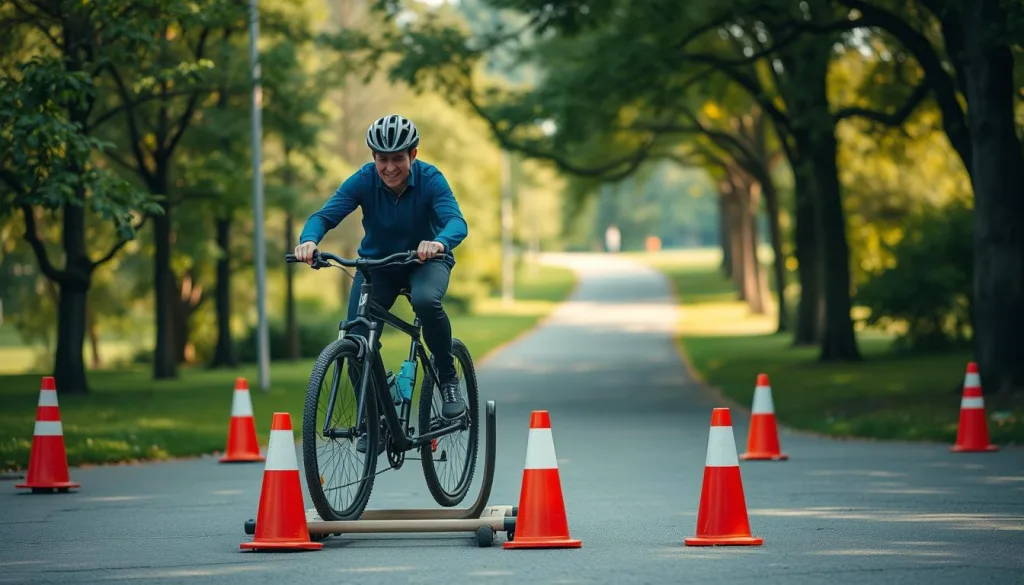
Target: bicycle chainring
x=395, y=457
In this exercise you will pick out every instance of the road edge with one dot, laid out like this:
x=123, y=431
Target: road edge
x=716, y=394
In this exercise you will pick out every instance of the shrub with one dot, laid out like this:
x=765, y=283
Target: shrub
x=925, y=294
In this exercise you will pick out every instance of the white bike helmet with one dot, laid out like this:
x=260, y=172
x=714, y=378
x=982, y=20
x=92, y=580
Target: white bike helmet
x=392, y=134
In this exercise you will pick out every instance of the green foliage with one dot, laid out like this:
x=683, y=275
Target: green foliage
x=30, y=299
x=46, y=157
x=925, y=293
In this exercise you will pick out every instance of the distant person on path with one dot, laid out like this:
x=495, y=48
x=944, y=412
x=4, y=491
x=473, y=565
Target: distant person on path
x=612, y=239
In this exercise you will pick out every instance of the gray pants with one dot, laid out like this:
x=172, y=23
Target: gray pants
x=427, y=284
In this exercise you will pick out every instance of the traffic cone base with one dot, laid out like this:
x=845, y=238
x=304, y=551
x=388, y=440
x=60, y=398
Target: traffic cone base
x=49, y=487
x=764, y=457
x=725, y=541
x=722, y=517
x=48, y=460
x=281, y=519
x=763, y=437
x=541, y=520
x=243, y=446
x=972, y=431
x=985, y=449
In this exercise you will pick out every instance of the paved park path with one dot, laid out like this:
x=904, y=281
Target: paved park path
x=630, y=430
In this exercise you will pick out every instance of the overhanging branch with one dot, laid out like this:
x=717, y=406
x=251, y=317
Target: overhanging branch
x=107, y=115
x=631, y=161
x=941, y=83
x=193, y=102
x=751, y=85
x=117, y=247
x=32, y=237
x=896, y=118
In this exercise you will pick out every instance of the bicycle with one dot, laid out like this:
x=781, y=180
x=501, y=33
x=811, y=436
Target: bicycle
x=386, y=418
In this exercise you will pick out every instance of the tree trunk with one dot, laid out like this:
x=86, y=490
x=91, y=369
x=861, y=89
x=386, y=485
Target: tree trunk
x=811, y=310
x=751, y=280
x=180, y=325
x=69, y=366
x=293, y=350
x=839, y=342
x=94, y=338
x=224, y=353
x=725, y=235
x=771, y=201
x=186, y=301
x=998, y=181
x=814, y=131
x=165, y=362
x=734, y=233
x=69, y=371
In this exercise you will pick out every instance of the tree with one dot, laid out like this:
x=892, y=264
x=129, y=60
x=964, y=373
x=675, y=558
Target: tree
x=49, y=165
x=175, y=72
x=971, y=73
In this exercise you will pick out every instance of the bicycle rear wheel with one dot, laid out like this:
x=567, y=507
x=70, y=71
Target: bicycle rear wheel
x=326, y=458
x=449, y=480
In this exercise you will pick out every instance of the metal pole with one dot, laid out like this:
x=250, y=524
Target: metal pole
x=508, y=264
x=263, y=332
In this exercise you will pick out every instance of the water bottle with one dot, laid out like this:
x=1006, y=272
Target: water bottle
x=393, y=387
x=406, y=375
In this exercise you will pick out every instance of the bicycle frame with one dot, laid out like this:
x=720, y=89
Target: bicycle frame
x=374, y=316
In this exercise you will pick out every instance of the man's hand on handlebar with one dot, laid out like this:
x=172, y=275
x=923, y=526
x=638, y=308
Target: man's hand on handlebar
x=304, y=252
x=428, y=250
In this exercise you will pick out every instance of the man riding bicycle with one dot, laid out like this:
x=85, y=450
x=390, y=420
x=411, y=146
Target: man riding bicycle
x=407, y=204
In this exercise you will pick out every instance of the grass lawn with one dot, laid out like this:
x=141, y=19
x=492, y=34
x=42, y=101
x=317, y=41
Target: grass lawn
x=129, y=417
x=886, y=396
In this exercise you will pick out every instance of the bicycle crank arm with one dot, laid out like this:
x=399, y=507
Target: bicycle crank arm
x=427, y=437
x=339, y=434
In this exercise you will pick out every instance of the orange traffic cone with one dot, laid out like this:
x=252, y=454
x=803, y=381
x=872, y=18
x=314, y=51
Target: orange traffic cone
x=972, y=434
x=541, y=521
x=722, y=517
x=281, y=519
x=48, y=462
x=242, y=446
x=763, y=437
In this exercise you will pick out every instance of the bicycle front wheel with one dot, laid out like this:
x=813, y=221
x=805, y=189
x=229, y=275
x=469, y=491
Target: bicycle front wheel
x=338, y=476
x=449, y=468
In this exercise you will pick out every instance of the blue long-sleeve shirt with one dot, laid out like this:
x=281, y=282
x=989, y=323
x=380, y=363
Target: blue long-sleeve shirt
x=427, y=210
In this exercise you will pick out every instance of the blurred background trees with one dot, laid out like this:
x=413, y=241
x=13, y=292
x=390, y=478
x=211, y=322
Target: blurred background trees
x=856, y=162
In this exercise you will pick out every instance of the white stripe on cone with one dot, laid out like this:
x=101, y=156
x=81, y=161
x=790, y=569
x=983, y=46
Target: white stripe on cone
x=281, y=452
x=540, y=450
x=721, y=448
x=47, y=398
x=48, y=428
x=972, y=380
x=763, y=401
x=972, y=402
x=241, y=405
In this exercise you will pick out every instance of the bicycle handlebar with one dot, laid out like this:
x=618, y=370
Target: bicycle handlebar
x=320, y=259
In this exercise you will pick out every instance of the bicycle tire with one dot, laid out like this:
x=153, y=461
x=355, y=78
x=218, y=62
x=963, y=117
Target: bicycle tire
x=342, y=349
x=427, y=390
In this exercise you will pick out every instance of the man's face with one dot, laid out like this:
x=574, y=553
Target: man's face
x=393, y=167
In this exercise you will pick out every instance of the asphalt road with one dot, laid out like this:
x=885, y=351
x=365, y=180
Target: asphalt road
x=630, y=431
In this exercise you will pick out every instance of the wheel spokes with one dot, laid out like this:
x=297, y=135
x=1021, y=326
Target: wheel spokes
x=341, y=468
